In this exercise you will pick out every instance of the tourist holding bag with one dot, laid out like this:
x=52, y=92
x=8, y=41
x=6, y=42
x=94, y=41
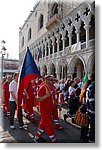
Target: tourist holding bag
x=81, y=117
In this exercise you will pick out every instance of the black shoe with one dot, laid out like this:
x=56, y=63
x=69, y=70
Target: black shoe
x=24, y=126
x=40, y=140
x=5, y=114
x=65, y=117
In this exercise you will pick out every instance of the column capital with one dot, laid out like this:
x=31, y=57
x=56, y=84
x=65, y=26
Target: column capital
x=87, y=26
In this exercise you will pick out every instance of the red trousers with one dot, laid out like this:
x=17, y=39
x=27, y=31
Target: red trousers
x=6, y=107
x=29, y=106
x=55, y=117
x=46, y=124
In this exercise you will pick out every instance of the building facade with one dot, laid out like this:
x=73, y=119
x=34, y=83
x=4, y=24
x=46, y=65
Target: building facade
x=10, y=66
x=61, y=37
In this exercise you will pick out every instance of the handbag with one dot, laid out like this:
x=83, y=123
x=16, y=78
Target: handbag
x=81, y=118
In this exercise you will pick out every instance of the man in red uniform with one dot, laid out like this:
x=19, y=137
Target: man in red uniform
x=30, y=93
x=46, y=106
x=6, y=95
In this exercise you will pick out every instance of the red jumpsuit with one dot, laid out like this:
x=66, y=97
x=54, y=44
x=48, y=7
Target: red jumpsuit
x=5, y=88
x=30, y=101
x=46, y=109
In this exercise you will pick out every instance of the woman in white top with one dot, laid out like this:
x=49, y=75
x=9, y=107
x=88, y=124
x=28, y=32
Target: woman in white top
x=72, y=99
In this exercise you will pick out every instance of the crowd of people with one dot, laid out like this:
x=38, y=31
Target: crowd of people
x=48, y=95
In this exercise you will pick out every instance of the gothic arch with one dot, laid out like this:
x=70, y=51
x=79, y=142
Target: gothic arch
x=62, y=69
x=52, y=68
x=91, y=63
x=77, y=66
x=43, y=70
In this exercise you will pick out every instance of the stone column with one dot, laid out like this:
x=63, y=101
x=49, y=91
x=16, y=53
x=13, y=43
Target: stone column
x=87, y=35
x=49, y=48
x=63, y=38
x=70, y=39
x=58, y=37
x=42, y=51
x=53, y=41
x=78, y=35
x=48, y=69
x=45, y=49
x=62, y=72
x=57, y=72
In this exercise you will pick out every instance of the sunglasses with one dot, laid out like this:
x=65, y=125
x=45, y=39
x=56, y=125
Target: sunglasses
x=50, y=79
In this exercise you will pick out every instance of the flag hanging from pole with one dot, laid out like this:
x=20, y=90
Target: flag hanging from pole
x=85, y=78
x=29, y=71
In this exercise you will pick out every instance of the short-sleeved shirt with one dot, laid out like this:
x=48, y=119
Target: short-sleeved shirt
x=13, y=88
x=71, y=90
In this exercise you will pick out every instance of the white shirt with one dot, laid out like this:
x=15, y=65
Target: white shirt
x=56, y=85
x=13, y=88
x=61, y=87
x=80, y=85
x=71, y=90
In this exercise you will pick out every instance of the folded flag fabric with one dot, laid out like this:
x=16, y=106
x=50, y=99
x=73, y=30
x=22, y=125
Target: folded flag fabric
x=85, y=78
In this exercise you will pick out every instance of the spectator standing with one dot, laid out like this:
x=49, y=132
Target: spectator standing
x=13, y=99
x=62, y=92
x=84, y=129
x=90, y=102
x=73, y=101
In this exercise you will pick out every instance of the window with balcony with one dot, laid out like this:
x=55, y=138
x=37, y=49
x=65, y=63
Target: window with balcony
x=54, y=10
x=40, y=21
x=22, y=41
x=29, y=34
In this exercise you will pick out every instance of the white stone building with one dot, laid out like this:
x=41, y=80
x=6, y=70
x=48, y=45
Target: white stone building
x=61, y=37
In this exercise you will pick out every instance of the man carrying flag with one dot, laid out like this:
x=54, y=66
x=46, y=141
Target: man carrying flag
x=29, y=71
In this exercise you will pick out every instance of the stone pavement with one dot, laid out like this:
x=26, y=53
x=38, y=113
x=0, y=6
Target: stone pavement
x=70, y=134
